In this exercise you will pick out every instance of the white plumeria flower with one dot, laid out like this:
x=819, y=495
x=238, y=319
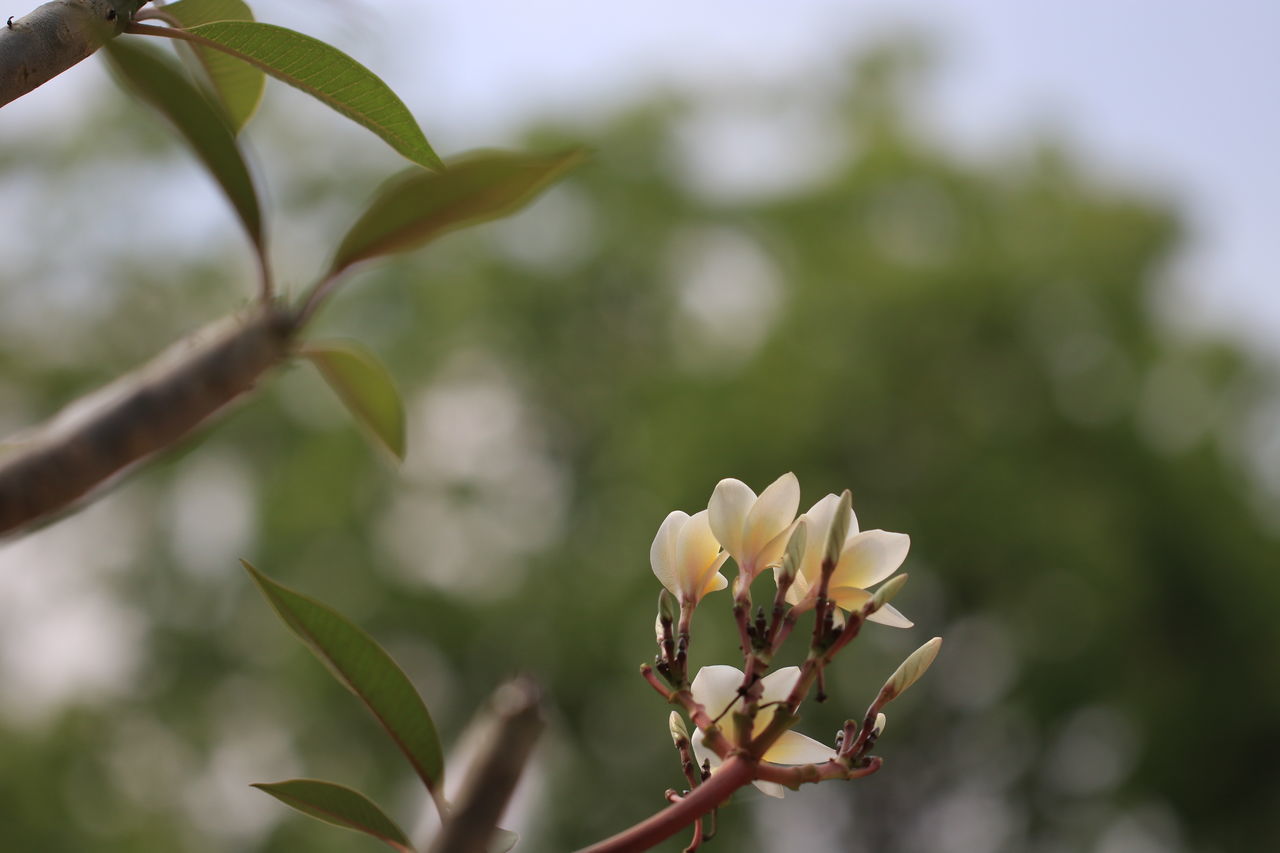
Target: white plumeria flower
x=716, y=688
x=687, y=558
x=867, y=558
x=754, y=530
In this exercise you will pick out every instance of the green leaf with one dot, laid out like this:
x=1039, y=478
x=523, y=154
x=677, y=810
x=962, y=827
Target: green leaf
x=365, y=669
x=238, y=85
x=339, y=806
x=416, y=206
x=326, y=73
x=161, y=84
x=365, y=387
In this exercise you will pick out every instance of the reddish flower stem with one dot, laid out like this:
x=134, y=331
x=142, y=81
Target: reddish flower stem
x=681, y=697
x=736, y=772
x=741, y=608
x=772, y=641
x=696, y=842
x=729, y=777
x=788, y=623
x=868, y=722
x=795, y=776
x=680, y=671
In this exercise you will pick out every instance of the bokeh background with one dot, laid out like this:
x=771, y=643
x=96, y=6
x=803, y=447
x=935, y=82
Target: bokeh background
x=1005, y=271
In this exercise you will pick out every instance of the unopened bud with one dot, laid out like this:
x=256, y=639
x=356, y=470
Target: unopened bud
x=886, y=593
x=911, y=669
x=878, y=728
x=679, y=734
x=839, y=531
x=794, y=553
x=666, y=607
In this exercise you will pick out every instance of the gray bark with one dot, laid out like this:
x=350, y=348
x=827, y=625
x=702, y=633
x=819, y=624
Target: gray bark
x=100, y=436
x=513, y=729
x=38, y=47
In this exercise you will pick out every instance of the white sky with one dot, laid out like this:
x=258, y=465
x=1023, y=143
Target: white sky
x=1175, y=94
x=1180, y=95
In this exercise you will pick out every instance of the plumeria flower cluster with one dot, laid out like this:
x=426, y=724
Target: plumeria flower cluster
x=822, y=563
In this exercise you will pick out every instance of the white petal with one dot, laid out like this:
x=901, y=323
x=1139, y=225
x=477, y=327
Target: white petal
x=771, y=514
x=716, y=687
x=870, y=557
x=715, y=580
x=662, y=553
x=795, y=748
x=771, y=554
x=728, y=508
x=770, y=789
x=700, y=751
x=849, y=597
x=818, y=520
x=776, y=687
x=891, y=616
x=696, y=549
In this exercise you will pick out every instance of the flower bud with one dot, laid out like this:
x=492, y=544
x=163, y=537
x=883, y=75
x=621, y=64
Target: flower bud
x=794, y=554
x=886, y=593
x=838, y=532
x=666, y=608
x=911, y=669
x=679, y=733
x=878, y=728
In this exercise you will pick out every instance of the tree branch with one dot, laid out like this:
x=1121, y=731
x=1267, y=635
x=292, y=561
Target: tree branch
x=99, y=436
x=41, y=45
x=515, y=728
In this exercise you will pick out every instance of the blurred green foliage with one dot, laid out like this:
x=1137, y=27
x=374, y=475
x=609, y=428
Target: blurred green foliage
x=971, y=347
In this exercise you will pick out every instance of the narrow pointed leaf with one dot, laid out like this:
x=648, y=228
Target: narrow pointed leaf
x=237, y=84
x=161, y=84
x=327, y=74
x=339, y=806
x=365, y=387
x=416, y=207
x=364, y=668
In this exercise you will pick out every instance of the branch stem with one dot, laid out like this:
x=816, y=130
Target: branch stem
x=737, y=771
x=144, y=412
x=55, y=36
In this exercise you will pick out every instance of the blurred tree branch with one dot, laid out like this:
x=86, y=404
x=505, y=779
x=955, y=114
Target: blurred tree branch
x=104, y=433
x=513, y=731
x=41, y=45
